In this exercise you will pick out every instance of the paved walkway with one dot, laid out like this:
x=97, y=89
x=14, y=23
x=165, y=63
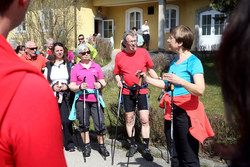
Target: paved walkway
x=75, y=159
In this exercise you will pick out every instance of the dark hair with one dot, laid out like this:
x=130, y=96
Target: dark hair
x=183, y=34
x=4, y=5
x=134, y=28
x=81, y=35
x=232, y=63
x=20, y=47
x=52, y=62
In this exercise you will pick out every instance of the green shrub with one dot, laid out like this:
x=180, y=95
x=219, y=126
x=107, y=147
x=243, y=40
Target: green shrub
x=104, y=48
x=223, y=132
x=156, y=118
x=162, y=60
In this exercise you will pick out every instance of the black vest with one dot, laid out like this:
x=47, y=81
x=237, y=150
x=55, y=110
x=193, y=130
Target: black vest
x=49, y=67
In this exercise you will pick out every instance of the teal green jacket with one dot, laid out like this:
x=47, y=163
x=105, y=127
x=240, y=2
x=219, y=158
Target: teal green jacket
x=72, y=115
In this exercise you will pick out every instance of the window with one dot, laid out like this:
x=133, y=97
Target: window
x=108, y=28
x=46, y=18
x=219, y=23
x=206, y=24
x=172, y=17
x=212, y=23
x=21, y=29
x=134, y=18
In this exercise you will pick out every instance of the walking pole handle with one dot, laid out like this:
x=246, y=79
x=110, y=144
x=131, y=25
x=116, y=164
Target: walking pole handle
x=140, y=79
x=122, y=78
x=171, y=86
x=95, y=78
x=82, y=82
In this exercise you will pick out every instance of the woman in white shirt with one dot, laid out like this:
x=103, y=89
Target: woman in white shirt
x=57, y=72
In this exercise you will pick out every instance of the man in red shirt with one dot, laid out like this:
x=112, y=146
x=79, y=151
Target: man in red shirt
x=127, y=63
x=31, y=57
x=30, y=124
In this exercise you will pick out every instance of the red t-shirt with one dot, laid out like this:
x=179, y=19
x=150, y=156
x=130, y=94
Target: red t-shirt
x=127, y=64
x=39, y=62
x=30, y=124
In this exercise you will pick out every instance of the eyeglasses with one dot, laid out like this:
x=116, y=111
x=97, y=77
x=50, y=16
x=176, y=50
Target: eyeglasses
x=84, y=53
x=134, y=41
x=33, y=48
x=80, y=39
x=170, y=38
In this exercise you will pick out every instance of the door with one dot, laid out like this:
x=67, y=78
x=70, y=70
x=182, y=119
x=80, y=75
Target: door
x=108, y=30
x=212, y=24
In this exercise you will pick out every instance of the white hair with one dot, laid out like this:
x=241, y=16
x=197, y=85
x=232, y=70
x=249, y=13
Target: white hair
x=81, y=48
x=129, y=32
x=49, y=40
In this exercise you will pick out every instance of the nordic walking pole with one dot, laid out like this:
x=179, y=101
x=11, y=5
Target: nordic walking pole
x=136, y=108
x=118, y=113
x=163, y=91
x=84, y=115
x=172, y=120
x=99, y=113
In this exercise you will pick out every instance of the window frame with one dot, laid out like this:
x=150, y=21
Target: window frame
x=172, y=7
x=127, y=19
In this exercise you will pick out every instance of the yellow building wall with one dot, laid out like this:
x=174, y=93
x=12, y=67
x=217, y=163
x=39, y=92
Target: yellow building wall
x=118, y=2
x=86, y=12
x=187, y=10
x=118, y=13
x=85, y=18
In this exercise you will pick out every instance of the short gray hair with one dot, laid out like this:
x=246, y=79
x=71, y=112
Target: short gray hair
x=81, y=48
x=27, y=44
x=129, y=32
x=49, y=40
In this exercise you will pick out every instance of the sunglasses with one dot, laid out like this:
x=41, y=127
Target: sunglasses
x=84, y=53
x=80, y=39
x=33, y=48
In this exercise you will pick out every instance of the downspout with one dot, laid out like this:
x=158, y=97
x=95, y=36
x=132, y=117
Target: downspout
x=161, y=24
x=75, y=24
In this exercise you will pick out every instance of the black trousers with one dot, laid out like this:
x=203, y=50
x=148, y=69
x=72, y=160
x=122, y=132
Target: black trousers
x=146, y=38
x=67, y=126
x=91, y=109
x=185, y=146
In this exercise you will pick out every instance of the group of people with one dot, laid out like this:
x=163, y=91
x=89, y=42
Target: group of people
x=191, y=125
x=30, y=124
x=57, y=70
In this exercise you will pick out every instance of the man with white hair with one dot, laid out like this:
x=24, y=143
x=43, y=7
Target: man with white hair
x=30, y=123
x=49, y=44
x=32, y=58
